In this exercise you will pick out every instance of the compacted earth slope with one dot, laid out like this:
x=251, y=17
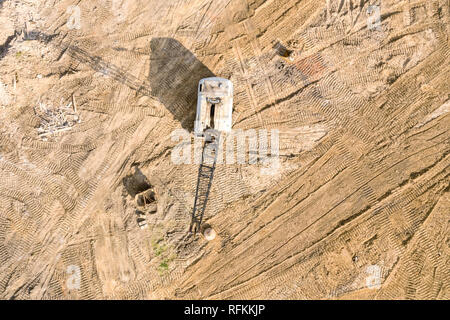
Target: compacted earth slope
x=357, y=207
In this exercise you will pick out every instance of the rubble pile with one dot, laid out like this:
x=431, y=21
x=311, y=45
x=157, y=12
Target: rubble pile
x=56, y=119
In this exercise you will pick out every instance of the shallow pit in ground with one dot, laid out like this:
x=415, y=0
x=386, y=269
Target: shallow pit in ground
x=136, y=183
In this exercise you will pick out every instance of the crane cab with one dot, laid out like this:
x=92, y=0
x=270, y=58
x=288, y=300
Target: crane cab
x=214, y=105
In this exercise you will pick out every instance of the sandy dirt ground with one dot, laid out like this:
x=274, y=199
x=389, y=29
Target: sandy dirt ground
x=358, y=207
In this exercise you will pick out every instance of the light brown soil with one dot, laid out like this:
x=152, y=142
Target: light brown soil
x=364, y=148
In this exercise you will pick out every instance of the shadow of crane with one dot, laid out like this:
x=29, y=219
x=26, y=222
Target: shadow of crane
x=174, y=76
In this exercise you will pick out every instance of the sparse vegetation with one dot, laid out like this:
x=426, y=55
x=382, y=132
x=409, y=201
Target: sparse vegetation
x=162, y=252
x=164, y=266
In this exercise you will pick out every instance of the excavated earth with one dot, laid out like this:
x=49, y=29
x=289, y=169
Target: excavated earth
x=358, y=207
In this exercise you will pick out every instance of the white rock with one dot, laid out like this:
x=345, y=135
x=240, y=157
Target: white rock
x=209, y=234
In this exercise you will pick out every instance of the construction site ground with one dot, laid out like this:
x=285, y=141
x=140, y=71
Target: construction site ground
x=88, y=103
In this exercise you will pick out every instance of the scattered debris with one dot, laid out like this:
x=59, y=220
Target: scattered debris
x=74, y=104
x=283, y=51
x=25, y=35
x=146, y=200
x=141, y=220
x=55, y=120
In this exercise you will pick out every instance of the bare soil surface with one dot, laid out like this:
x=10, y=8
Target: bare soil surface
x=357, y=209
